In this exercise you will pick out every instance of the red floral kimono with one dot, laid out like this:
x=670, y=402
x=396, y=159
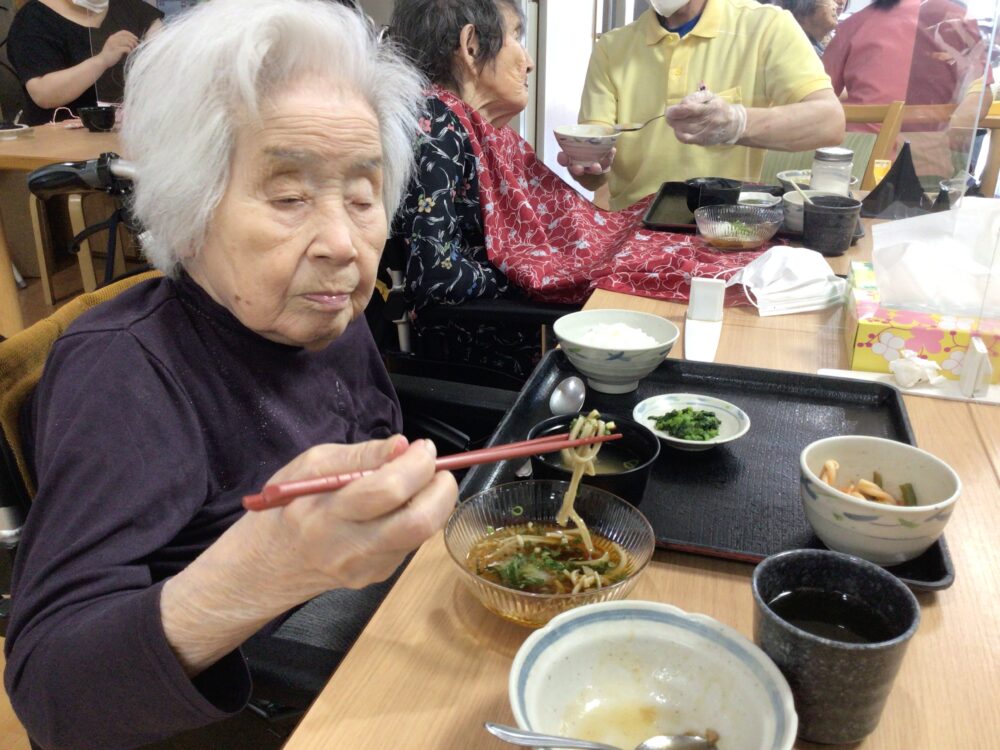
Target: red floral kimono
x=558, y=246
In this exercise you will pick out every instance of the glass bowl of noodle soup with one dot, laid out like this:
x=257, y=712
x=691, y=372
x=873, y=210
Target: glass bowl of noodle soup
x=526, y=568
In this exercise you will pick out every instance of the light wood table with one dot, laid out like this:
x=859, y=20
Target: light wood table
x=53, y=143
x=433, y=664
x=47, y=145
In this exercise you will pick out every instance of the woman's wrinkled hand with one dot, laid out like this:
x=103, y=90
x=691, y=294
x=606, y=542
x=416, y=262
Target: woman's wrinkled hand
x=597, y=168
x=270, y=561
x=358, y=534
x=117, y=46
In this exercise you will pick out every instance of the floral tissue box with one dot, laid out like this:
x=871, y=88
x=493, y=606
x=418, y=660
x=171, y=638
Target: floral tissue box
x=877, y=335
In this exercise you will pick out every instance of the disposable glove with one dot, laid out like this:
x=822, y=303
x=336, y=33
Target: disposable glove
x=705, y=119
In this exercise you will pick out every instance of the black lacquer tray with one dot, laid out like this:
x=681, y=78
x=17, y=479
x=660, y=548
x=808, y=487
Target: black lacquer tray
x=740, y=500
x=668, y=212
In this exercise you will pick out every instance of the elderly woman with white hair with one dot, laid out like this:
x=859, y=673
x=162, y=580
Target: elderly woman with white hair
x=272, y=139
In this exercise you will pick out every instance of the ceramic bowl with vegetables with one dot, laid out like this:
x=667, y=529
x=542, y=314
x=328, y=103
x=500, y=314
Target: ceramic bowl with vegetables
x=690, y=422
x=879, y=499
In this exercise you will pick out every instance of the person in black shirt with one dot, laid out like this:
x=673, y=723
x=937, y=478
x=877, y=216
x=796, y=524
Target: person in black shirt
x=71, y=53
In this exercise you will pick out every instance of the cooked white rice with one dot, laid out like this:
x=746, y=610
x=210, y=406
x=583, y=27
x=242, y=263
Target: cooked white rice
x=618, y=336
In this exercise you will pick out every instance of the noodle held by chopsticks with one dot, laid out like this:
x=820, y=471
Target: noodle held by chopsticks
x=581, y=459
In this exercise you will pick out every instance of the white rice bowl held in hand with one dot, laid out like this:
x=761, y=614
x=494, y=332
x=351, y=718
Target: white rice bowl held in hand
x=615, y=349
x=586, y=144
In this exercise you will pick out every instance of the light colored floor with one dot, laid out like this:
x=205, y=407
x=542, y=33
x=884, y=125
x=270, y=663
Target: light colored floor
x=12, y=736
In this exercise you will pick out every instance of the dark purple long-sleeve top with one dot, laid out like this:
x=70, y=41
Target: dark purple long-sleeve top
x=156, y=413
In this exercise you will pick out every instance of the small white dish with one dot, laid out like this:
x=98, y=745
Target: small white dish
x=734, y=422
x=758, y=199
x=18, y=131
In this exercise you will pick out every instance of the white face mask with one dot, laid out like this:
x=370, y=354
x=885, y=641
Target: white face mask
x=94, y=6
x=789, y=280
x=667, y=8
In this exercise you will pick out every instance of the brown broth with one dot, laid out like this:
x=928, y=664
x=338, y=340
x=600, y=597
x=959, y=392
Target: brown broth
x=528, y=568
x=728, y=244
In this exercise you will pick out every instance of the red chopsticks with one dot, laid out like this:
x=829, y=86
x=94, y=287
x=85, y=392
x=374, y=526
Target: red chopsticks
x=276, y=495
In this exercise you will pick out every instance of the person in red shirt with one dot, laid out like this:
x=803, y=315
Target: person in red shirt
x=868, y=60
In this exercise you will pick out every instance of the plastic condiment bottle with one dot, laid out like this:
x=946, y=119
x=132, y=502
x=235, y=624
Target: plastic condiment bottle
x=831, y=170
x=882, y=167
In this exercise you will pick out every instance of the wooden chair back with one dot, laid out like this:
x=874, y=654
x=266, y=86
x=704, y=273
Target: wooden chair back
x=890, y=117
x=992, y=169
x=22, y=359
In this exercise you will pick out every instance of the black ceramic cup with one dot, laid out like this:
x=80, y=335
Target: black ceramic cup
x=828, y=223
x=97, y=119
x=841, y=679
x=637, y=444
x=712, y=191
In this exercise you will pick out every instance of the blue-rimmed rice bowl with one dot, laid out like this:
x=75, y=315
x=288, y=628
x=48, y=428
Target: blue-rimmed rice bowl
x=614, y=369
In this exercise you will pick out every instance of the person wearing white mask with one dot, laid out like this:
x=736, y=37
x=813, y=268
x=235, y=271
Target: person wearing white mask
x=733, y=79
x=71, y=53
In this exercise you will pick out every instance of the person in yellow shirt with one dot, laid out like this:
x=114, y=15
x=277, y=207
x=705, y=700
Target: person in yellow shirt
x=732, y=77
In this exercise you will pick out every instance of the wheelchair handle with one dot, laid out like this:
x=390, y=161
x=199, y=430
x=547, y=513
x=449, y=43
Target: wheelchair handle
x=108, y=173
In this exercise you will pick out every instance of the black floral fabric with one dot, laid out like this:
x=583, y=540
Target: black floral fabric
x=440, y=222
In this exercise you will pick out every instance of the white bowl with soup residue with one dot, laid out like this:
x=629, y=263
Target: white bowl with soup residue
x=615, y=349
x=621, y=672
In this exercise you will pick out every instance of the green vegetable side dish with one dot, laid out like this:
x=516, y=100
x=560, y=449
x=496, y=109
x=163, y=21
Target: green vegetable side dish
x=688, y=424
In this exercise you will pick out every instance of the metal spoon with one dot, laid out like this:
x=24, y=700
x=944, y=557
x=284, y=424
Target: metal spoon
x=629, y=127
x=568, y=396
x=521, y=737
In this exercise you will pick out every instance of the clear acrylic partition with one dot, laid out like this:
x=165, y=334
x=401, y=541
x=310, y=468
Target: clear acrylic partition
x=954, y=69
x=954, y=72
x=955, y=63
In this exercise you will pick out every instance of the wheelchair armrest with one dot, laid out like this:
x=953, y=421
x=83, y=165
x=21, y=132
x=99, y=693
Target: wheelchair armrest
x=510, y=311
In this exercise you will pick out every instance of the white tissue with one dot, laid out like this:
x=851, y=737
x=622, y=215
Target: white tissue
x=909, y=370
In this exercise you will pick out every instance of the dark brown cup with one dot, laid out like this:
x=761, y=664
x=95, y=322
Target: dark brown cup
x=98, y=119
x=712, y=191
x=840, y=688
x=829, y=222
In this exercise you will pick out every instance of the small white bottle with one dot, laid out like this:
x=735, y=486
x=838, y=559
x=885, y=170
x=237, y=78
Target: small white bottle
x=831, y=170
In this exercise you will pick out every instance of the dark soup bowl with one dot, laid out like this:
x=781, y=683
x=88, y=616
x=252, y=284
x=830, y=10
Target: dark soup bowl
x=712, y=191
x=98, y=119
x=623, y=466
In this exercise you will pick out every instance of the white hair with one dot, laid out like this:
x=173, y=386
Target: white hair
x=191, y=86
